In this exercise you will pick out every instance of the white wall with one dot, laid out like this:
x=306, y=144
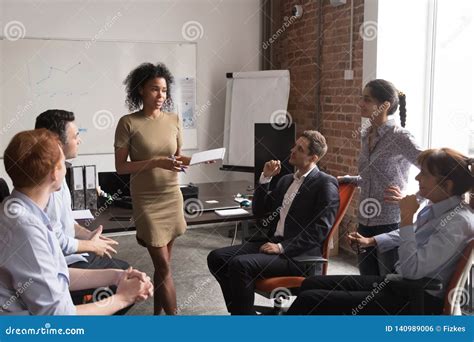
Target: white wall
x=230, y=41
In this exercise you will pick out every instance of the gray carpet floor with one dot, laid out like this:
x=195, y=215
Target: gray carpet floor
x=198, y=293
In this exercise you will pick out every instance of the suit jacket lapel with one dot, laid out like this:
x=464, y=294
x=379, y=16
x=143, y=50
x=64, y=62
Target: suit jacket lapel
x=308, y=179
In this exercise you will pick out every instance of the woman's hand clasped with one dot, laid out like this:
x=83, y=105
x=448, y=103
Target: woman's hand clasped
x=408, y=207
x=174, y=164
x=134, y=286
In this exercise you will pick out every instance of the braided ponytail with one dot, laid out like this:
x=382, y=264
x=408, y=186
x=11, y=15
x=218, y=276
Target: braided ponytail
x=470, y=167
x=402, y=108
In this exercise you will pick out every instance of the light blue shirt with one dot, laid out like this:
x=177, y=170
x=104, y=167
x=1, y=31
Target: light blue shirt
x=59, y=212
x=431, y=247
x=34, y=278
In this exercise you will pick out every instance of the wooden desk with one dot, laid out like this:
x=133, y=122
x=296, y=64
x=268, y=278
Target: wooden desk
x=220, y=190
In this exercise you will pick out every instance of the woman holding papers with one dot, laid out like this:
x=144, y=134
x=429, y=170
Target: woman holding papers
x=152, y=138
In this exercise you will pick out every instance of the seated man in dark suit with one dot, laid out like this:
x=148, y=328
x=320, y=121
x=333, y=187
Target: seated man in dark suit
x=302, y=209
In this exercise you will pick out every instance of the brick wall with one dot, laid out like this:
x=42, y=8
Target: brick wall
x=334, y=112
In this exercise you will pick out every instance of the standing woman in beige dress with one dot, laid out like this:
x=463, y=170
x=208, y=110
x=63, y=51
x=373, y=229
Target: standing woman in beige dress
x=150, y=136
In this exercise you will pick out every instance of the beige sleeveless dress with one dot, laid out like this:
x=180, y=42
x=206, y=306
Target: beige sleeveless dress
x=156, y=197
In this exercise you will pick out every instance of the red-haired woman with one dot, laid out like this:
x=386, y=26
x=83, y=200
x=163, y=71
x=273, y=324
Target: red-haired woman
x=34, y=277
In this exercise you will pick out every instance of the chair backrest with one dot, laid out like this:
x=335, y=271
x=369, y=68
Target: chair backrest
x=346, y=192
x=4, y=191
x=455, y=293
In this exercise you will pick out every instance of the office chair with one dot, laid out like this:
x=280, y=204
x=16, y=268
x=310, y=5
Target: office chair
x=280, y=289
x=455, y=294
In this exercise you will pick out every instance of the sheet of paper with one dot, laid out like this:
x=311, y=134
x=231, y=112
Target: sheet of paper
x=205, y=156
x=82, y=214
x=232, y=212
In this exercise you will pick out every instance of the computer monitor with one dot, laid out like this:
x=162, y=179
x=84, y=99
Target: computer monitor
x=112, y=182
x=273, y=142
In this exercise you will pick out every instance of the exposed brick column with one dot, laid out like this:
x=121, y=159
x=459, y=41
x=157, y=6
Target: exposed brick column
x=300, y=50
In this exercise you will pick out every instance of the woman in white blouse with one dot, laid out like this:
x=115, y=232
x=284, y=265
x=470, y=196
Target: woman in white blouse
x=387, y=153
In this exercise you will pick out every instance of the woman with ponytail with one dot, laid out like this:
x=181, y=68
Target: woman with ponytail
x=387, y=153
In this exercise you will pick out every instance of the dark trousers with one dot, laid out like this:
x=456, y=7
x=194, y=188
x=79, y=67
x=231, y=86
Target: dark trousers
x=355, y=295
x=372, y=262
x=237, y=268
x=96, y=262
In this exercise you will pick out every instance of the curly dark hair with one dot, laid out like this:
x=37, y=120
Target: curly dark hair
x=139, y=76
x=56, y=121
x=382, y=91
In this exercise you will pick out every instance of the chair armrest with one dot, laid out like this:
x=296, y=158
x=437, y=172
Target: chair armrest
x=309, y=259
x=310, y=264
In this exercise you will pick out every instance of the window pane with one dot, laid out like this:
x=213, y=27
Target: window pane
x=453, y=117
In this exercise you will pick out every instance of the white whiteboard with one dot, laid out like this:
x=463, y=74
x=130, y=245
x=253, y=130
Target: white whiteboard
x=253, y=97
x=84, y=77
